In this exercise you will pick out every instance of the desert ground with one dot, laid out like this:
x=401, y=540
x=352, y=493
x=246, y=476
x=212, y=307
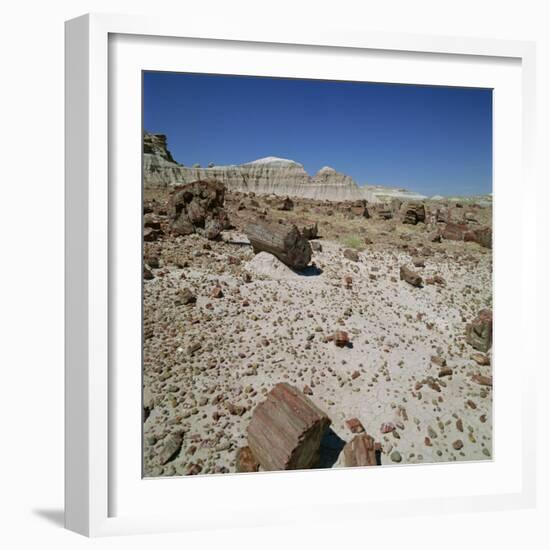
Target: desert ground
x=223, y=325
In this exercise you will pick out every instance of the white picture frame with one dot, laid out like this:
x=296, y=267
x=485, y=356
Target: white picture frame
x=93, y=399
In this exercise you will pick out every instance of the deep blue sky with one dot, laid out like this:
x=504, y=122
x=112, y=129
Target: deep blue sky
x=434, y=140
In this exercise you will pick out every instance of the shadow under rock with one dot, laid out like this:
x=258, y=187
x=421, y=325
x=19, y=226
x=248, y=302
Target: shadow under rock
x=310, y=271
x=330, y=449
x=56, y=517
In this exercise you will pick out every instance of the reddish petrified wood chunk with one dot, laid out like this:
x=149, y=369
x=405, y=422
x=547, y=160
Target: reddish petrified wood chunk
x=246, y=461
x=361, y=451
x=286, y=429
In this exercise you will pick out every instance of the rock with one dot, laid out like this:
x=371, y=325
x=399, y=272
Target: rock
x=480, y=359
x=341, y=338
x=355, y=426
x=147, y=274
x=446, y=371
x=307, y=390
x=483, y=380
x=197, y=207
x=351, y=255
x=387, y=427
x=479, y=333
x=217, y=292
x=286, y=429
x=150, y=234
x=411, y=277
x=418, y=262
x=396, y=456
x=185, y=297
x=361, y=451
x=457, y=445
x=283, y=241
x=438, y=360
x=171, y=447
x=285, y=204
x=246, y=462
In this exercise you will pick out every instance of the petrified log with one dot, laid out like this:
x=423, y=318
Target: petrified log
x=286, y=429
x=479, y=333
x=408, y=275
x=414, y=213
x=283, y=241
x=198, y=208
x=361, y=451
x=285, y=204
x=454, y=231
x=482, y=236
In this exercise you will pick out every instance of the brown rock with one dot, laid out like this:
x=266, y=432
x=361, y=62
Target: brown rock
x=286, y=429
x=483, y=380
x=217, y=292
x=185, y=297
x=479, y=333
x=341, y=338
x=246, y=462
x=355, y=426
x=408, y=275
x=480, y=359
x=457, y=445
x=361, y=451
x=171, y=447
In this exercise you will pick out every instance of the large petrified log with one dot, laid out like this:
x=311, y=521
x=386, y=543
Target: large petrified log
x=286, y=429
x=462, y=232
x=479, y=333
x=283, y=241
x=198, y=208
x=362, y=451
x=414, y=213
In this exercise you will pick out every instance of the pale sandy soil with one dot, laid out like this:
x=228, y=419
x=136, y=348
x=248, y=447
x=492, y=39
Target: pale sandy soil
x=273, y=330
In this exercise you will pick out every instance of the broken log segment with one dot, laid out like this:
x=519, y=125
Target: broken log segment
x=286, y=429
x=283, y=241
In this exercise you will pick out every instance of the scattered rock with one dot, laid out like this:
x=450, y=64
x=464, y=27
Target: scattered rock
x=408, y=275
x=355, y=426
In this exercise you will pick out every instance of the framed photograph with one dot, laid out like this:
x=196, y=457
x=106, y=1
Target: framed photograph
x=293, y=290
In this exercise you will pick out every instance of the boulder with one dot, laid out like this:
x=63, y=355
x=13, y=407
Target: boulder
x=286, y=429
x=197, y=207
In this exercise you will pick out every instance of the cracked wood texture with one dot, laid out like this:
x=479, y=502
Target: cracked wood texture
x=283, y=241
x=286, y=429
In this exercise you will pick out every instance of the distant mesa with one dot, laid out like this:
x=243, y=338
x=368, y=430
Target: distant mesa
x=267, y=175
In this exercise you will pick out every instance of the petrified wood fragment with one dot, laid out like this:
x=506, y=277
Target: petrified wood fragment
x=283, y=241
x=411, y=277
x=286, y=429
x=479, y=333
x=361, y=451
